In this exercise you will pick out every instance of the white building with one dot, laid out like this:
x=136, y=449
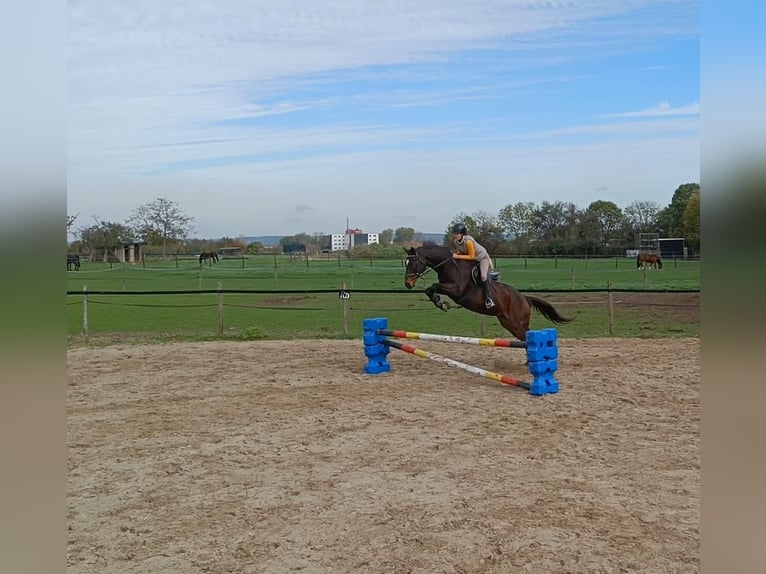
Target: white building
x=339, y=242
x=344, y=241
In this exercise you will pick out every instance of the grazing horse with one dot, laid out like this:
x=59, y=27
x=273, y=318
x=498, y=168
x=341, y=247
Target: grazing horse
x=72, y=262
x=211, y=256
x=457, y=280
x=649, y=259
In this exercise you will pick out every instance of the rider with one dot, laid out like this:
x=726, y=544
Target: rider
x=469, y=248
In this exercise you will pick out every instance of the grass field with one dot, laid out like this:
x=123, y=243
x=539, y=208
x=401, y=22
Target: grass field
x=285, y=305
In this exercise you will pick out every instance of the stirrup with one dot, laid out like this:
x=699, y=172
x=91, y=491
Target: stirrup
x=489, y=303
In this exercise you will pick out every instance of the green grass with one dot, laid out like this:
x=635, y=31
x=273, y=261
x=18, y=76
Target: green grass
x=304, y=314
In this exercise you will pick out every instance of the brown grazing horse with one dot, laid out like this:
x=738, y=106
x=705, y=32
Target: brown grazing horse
x=456, y=281
x=649, y=259
x=211, y=256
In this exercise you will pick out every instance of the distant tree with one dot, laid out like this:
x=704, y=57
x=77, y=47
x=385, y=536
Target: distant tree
x=386, y=237
x=254, y=248
x=404, y=235
x=642, y=215
x=516, y=220
x=549, y=220
x=670, y=219
x=160, y=222
x=691, y=221
x=609, y=218
x=589, y=234
x=70, y=219
x=106, y=235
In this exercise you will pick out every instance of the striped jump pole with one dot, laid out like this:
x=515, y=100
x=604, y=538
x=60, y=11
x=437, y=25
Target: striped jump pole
x=457, y=364
x=541, y=347
x=454, y=339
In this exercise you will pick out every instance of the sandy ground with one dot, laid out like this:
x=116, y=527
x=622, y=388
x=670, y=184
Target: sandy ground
x=284, y=457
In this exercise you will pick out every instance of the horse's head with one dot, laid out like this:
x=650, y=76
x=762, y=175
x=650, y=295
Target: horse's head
x=414, y=267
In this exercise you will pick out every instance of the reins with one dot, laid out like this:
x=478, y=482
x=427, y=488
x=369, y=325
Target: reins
x=428, y=267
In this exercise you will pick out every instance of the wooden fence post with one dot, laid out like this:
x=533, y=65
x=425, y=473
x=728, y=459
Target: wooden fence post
x=85, y=310
x=220, y=309
x=345, y=309
x=611, y=307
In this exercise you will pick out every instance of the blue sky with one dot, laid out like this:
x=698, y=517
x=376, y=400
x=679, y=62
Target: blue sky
x=260, y=117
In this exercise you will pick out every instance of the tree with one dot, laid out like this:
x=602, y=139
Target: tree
x=691, y=221
x=549, y=220
x=589, y=234
x=106, y=235
x=642, y=215
x=403, y=235
x=517, y=220
x=609, y=218
x=386, y=237
x=160, y=222
x=304, y=239
x=70, y=219
x=254, y=248
x=670, y=219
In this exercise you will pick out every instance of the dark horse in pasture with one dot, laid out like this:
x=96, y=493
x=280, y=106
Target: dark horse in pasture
x=649, y=259
x=457, y=280
x=72, y=262
x=210, y=256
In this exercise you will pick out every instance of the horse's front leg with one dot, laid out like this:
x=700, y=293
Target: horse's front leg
x=433, y=294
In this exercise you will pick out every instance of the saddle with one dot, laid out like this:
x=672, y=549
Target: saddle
x=476, y=275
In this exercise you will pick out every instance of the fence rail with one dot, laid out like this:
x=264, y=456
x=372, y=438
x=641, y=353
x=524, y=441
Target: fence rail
x=328, y=311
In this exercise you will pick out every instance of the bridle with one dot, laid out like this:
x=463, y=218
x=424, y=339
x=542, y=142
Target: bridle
x=426, y=266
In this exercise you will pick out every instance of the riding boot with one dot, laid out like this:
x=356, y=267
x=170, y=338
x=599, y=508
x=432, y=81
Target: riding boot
x=488, y=302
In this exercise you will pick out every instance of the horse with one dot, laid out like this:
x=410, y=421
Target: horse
x=648, y=259
x=212, y=256
x=72, y=262
x=459, y=280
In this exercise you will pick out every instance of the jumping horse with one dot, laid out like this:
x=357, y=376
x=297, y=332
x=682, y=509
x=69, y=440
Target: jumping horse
x=72, y=262
x=649, y=259
x=210, y=256
x=457, y=279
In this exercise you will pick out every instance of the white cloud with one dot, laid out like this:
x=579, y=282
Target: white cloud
x=660, y=110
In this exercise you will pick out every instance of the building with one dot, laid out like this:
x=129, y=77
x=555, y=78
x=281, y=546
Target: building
x=352, y=238
x=673, y=248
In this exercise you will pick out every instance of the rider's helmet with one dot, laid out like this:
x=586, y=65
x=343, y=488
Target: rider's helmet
x=459, y=228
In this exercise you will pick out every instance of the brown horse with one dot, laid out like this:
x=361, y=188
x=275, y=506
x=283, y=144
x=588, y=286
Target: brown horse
x=649, y=259
x=211, y=256
x=456, y=280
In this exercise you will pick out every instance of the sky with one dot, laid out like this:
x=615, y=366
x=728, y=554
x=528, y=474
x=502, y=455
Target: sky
x=275, y=118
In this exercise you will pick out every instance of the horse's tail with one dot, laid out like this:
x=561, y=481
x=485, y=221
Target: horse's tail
x=659, y=262
x=547, y=310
